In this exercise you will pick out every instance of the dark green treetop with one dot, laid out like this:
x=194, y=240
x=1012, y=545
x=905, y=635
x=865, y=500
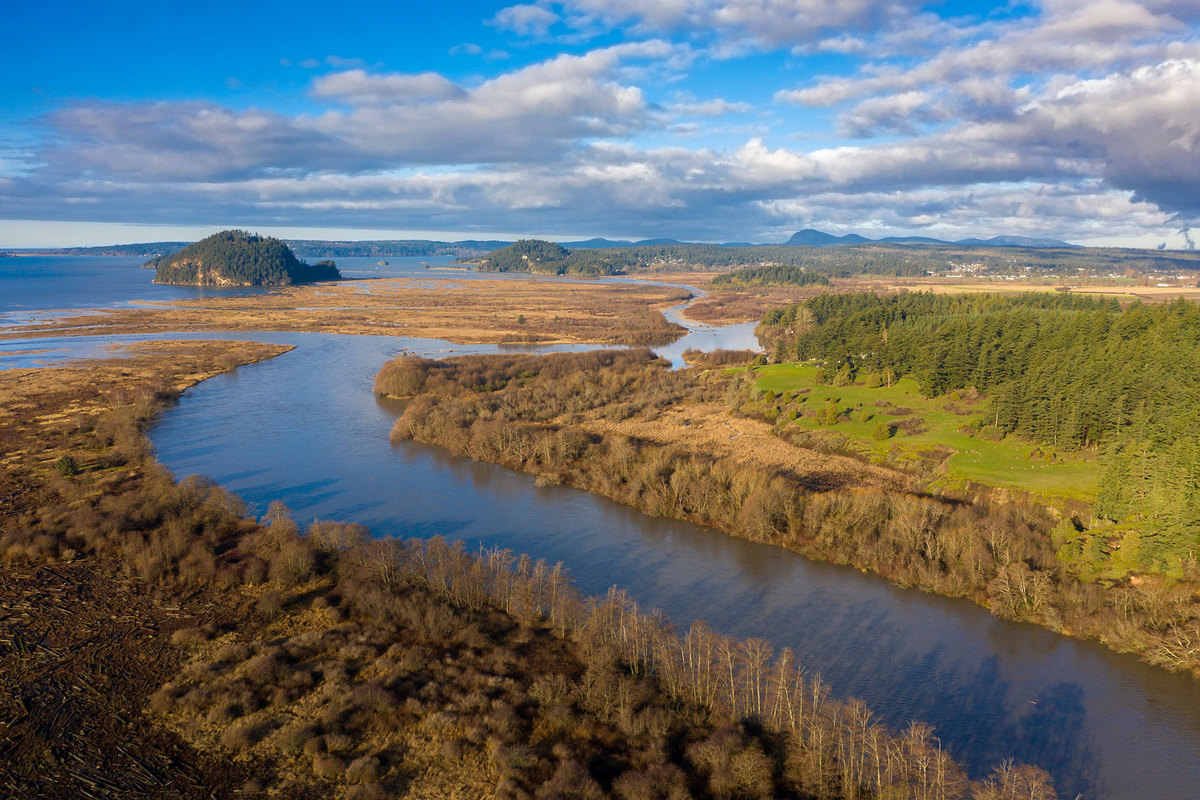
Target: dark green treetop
x=239, y=258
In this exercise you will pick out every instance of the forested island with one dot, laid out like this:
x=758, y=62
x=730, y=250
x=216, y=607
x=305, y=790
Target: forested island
x=239, y=258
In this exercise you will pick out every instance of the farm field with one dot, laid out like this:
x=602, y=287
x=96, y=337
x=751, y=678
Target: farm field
x=922, y=428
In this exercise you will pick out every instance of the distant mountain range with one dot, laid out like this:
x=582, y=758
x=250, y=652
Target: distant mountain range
x=814, y=238
x=397, y=248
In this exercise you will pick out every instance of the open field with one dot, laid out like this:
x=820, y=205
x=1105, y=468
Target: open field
x=923, y=429
x=750, y=443
x=1121, y=289
x=533, y=310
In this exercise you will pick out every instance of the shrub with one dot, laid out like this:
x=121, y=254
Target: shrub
x=67, y=465
x=294, y=736
x=328, y=766
x=366, y=791
x=403, y=377
x=241, y=735
x=191, y=636
x=163, y=701
x=363, y=770
x=991, y=433
x=293, y=564
x=911, y=426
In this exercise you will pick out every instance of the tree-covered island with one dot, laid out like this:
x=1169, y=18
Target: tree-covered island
x=239, y=258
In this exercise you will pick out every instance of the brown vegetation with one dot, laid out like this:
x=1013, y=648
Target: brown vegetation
x=966, y=285
x=718, y=358
x=623, y=425
x=725, y=307
x=324, y=664
x=82, y=645
x=464, y=311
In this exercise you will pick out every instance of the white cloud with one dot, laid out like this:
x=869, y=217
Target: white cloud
x=1078, y=118
x=1143, y=126
x=1071, y=38
x=525, y=20
x=358, y=86
x=714, y=107
x=771, y=22
x=904, y=112
x=535, y=113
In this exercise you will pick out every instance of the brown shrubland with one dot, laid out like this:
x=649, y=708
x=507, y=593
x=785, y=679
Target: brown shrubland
x=381, y=668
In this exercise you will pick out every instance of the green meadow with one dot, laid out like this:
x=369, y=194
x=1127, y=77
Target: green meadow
x=929, y=424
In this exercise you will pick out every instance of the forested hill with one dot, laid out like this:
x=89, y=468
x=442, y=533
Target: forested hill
x=528, y=255
x=1064, y=370
x=770, y=276
x=844, y=260
x=532, y=255
x=238, y=258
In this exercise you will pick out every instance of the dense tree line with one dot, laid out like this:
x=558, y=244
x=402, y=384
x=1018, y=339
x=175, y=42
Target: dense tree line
x=886, y=259
x=770, y=276
x=546, y=257
x=239, y=258
x=390, y=248
x=1064, y=370
x=538, y=414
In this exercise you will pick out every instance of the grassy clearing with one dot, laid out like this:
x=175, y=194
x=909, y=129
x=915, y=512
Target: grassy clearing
x=926, y=426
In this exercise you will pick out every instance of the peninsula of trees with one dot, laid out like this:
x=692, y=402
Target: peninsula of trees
x=239, y=258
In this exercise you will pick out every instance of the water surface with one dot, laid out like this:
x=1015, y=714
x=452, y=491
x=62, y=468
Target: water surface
x=304, y=428
x=30, y=285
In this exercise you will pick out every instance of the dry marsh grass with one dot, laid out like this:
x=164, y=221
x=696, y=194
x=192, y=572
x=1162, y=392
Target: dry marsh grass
x=197, y=652
x=463, y=311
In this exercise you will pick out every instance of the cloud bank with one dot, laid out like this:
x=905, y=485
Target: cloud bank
x=1079, y=120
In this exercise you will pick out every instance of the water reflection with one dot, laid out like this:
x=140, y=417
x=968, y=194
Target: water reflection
x=305, y=428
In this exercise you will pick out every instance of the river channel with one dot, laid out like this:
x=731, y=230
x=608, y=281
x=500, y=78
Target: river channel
x=306, y=429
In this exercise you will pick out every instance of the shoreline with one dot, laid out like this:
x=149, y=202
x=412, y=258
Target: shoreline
x=676, y=431
x=166, y=633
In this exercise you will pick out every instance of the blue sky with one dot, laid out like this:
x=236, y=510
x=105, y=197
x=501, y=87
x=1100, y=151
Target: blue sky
x=711, y=120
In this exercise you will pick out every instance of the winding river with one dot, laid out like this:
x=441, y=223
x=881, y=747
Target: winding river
x=306, y=429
